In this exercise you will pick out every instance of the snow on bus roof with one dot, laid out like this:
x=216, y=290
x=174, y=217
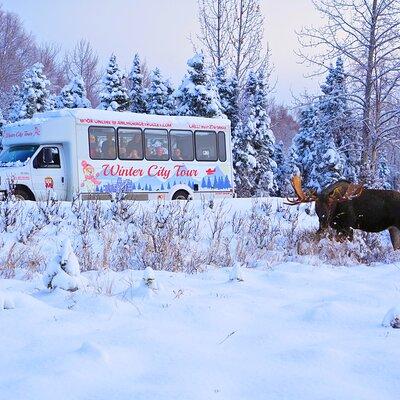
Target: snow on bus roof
x=91, y=116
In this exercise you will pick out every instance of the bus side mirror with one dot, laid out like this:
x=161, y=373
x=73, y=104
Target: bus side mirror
x=47, y=155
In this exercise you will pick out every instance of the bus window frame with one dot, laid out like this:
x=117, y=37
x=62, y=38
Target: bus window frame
x=216, y=146
x=115, y=140
x=226, y=153
x=143, y=144
x=168, y=144
x=193, y=144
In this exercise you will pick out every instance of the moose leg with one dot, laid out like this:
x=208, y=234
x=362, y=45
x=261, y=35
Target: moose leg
x=395, y=237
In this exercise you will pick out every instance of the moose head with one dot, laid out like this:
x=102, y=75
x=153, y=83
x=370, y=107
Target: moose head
x=345, y=206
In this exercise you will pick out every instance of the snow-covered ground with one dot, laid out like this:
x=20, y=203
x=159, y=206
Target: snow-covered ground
x=292, y=332
x=293, y=328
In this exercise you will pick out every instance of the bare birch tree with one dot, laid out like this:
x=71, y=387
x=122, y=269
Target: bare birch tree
x=247, y=34
x=83, y=61
x=17, y=52
x=216, y=18
x=366, y=33
x=48, y=54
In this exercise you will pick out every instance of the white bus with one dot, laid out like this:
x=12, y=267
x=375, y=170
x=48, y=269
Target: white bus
x=95, y=153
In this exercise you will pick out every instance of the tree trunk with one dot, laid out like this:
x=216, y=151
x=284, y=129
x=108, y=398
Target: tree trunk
x=366, y=130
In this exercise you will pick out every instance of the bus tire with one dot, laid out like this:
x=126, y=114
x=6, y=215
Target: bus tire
x=180, y=195
x=22, y=194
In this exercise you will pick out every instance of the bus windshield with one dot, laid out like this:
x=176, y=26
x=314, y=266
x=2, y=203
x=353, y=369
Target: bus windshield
x=15, y=156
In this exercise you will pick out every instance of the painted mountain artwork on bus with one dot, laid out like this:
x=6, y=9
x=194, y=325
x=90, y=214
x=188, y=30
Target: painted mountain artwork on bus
x=211, y=178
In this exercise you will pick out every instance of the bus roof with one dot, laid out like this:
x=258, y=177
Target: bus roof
x=56, y=124
x=89, y=116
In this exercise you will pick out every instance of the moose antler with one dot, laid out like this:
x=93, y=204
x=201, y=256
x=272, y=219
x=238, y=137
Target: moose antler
x=301, y=196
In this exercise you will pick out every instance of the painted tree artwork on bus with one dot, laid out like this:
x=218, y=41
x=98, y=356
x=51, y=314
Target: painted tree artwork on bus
x=217, y=180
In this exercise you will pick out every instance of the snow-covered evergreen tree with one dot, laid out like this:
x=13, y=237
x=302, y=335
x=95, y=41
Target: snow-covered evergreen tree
x=73, y=95
x=158, y=95
x=324, y=128
x=228, y=91
x=383, y=173
x=15, y=104
x=263, y=141
x=244, y=160
x=197, y=94
x=51, y=102
x=32, y=95
x=136, y=88
x=337, y=121
x=254, y=142
x=114, y=95
x=301, y=153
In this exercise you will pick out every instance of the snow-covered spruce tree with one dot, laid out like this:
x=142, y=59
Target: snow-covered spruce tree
x=136, y=88
x=327, y=163
x=229, y=95
x=301, y=158
x=331, y=112
x=114, y=95
x=336, y=119
x=382, y=181
x=158, y=95
x=63, y=271
x=197, y=94
x=33, y=94
x=73, y=95
x=15, y=104
x=264, y=141
x=254, y=142
x=51, y=102
x=244, y=160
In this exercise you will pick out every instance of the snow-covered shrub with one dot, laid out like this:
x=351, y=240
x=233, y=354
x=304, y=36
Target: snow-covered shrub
x=392, y=318
x=218, y=252
x=168, y=237
x=10, y=210
x=255, y=234
x=330, y=248
x=17, y=256
x=63, y=271
x=236, y=273
x=6, y=301
x=149, y=278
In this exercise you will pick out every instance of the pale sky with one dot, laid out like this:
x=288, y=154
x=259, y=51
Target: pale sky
x=160, y=31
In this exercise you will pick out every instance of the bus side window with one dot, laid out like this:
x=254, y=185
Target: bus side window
x=102, y=144
x=206, y=146
x=130, y=144
x=181, y=145
x=156, y=144
x=221, y=146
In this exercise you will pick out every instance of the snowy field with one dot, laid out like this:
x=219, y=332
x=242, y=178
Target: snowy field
x=296, y=327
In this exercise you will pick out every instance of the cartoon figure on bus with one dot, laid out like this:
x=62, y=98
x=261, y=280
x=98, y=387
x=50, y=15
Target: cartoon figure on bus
x=90, y=182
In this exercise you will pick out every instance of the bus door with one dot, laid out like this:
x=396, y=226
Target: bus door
x=48, y=172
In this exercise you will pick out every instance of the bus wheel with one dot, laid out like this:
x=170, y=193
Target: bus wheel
x=180, y=195
x=21, y=194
